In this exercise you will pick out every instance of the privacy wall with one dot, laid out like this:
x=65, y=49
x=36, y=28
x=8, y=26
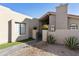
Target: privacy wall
x=61, y=35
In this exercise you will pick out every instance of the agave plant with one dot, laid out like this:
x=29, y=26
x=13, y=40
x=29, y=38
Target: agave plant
x=51, y=39
x=72, y=42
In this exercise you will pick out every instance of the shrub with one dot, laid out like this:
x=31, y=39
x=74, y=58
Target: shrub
x=45, y=27
x=72, y=42
x=51, y=39
x=34, y=28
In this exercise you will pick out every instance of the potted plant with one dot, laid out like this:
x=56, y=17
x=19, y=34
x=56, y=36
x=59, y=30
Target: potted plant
x=44, y=32
x=34, y=32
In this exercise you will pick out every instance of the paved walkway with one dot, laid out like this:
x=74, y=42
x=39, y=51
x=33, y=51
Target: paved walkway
x=34, y=48
x=8, y=51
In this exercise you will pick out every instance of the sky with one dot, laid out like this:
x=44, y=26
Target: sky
x=36, y=10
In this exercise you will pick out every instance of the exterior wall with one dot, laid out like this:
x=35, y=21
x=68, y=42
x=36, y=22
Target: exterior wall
x=3, y=28
x=62, y=23
x=44, y=35
x=34, y=34
x=74, y=21
x=52, y=21
x=22, y=19
x=7, y=25
x=33, y=23
x=61, y=35
x=61, y=17
x=17, y=37
x=4, y=24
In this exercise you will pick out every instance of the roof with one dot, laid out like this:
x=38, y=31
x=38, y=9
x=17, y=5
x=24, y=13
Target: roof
x=7, y=10
x=54, y=13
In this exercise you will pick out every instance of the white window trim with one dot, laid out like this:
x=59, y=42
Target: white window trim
x=20, y=27
x=73, y=26
x=52, y=28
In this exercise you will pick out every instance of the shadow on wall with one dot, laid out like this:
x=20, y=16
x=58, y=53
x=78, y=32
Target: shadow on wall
x=26, y=35
x=29, y=25
x=9, y=31
x=19, y=37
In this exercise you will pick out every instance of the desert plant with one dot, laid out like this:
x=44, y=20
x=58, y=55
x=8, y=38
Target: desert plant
x=72, y=42
x=34, y=28
x=51, y=39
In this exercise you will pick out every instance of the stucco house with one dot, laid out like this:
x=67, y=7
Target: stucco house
x=14, y=26
x=61, y=24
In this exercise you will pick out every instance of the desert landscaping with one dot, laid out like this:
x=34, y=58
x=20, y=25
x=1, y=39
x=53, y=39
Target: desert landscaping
x=45, y=49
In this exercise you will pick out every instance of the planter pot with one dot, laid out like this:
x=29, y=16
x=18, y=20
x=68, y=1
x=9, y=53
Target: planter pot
x=34, y=32
x=44, y=35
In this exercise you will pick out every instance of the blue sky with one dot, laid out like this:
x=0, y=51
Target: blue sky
x=38, y=9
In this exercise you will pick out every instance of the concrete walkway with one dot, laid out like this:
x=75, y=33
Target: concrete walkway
x=8, y=51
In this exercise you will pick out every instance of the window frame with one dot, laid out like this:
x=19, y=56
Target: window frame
x=53, y=28
x=20, y=28
x=74, y=27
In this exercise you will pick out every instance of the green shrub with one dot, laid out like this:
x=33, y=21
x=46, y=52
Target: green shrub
x=45, y=27
x=72, y=42
x=51, y=39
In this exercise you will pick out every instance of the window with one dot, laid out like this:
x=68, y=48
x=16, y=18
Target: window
x=73, y=26
x=52, y=28
x=20, y=28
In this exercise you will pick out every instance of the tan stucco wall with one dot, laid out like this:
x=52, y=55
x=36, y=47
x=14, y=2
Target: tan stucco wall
x=3, y=28
x=4, y=19
x=44, y=35
x=52, y=21
x=34, y=34
x=22, y=19
x=16, y=36
x=61, y=17
x=61, y=35
x=34, y=23
x=7, y=24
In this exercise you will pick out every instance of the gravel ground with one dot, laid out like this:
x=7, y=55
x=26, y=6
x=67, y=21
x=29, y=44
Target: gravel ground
x=44, y=49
